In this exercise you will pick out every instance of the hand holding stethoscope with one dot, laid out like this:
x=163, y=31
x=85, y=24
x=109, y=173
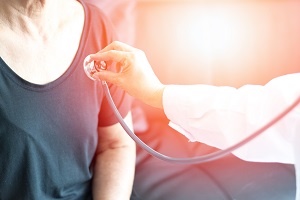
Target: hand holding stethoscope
x=134, y=75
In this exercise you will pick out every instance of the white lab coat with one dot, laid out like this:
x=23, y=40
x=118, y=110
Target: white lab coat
x=222, y=116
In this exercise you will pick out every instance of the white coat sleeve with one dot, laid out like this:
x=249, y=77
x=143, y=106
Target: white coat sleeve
x=222, y=116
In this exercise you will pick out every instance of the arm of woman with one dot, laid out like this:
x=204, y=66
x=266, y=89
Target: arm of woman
x=114, y=163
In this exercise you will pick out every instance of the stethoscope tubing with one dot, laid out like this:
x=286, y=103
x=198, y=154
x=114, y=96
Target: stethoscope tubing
x=198, y=159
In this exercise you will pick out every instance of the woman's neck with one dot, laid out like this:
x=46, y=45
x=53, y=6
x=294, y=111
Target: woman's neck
x=34, y=18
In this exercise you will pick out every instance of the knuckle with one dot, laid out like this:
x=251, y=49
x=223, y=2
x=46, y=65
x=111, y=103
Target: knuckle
x=116, y=44
x=131, y=56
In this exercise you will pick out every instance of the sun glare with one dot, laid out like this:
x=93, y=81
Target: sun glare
x=214, y=32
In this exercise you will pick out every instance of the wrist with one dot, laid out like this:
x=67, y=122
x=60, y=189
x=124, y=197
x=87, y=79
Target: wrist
x=156, y=98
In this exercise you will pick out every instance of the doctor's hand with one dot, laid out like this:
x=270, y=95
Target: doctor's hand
x=134, y=75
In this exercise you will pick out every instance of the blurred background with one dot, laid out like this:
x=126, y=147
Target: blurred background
x=219, y=42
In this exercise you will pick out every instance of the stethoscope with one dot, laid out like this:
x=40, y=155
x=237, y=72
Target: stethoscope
x=93, y=67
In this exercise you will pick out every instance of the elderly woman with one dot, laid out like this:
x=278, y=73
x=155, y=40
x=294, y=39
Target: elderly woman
x=58, y=137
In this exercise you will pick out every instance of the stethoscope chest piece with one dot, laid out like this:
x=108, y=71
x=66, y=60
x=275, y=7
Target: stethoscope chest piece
x=91, y=67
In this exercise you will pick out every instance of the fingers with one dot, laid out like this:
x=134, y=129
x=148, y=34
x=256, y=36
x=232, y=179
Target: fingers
x=115, y=52
x=119, y=46
x=111, y=55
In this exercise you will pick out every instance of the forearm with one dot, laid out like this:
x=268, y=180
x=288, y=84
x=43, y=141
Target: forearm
x=113, y=173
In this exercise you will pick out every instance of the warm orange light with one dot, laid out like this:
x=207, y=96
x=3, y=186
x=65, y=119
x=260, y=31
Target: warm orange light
x=221, y=42
x=214, y=32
